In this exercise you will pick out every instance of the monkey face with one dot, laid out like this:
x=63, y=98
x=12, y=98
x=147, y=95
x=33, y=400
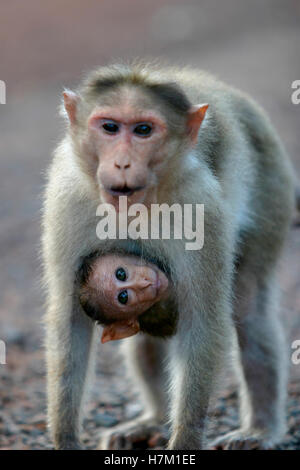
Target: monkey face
x=128, y=140
x=118, y=290
x=129, y=143
x=128, y=285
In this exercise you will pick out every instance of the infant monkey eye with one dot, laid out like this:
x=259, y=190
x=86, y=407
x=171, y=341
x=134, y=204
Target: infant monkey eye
x=111, y=127
x=121, y=274
x=123, y=297
x=143, y=130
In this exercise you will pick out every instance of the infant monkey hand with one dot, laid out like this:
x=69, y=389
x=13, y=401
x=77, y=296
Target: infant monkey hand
x=120, y=329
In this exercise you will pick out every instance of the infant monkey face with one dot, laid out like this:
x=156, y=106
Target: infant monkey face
x=119, y=289
x=127, y=284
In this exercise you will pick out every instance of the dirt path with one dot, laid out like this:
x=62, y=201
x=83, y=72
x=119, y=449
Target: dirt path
x=46, y=45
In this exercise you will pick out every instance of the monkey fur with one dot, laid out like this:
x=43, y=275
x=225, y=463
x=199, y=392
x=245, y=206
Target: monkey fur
x=167, y=135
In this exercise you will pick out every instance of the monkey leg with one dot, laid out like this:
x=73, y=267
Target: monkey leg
x=145, y=357
x=262, y=366
x=199, y=352
x=68, y=352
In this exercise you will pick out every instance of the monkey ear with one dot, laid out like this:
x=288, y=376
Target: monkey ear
x=70, y=105
x=195, y=118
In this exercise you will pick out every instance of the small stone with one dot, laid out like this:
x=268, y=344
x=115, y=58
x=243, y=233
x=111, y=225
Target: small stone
x=105, y=419
x=132, y=410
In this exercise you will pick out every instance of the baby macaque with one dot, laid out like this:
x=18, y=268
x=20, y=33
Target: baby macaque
x=116, y=289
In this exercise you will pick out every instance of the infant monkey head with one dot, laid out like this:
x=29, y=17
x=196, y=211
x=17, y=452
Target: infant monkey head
x=116, y=289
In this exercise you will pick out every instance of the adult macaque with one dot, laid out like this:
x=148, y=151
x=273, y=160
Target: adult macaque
x=116, y=290
x=140, y=131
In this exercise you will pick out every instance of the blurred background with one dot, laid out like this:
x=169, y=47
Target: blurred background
x=45, y=46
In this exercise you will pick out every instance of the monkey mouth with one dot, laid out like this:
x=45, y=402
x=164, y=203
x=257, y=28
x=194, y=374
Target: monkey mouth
x=124, y=190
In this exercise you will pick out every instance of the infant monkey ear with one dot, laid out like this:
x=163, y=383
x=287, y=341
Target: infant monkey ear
x=120, y=330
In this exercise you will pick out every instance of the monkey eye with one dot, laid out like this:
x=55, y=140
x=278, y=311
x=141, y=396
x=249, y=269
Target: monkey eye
x=123, y=297
x=121, y=274
x=111, y=127
x=143, y=130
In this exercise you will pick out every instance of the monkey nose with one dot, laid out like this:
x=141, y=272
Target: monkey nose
x=144, y=283
x=122, y=166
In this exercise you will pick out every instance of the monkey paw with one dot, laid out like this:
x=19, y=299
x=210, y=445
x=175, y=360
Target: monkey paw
x=240, y=440
x=135, y=435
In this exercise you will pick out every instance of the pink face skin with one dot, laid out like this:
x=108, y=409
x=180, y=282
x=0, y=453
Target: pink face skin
x=130, y=145
x=127, y=287
x=127, y=144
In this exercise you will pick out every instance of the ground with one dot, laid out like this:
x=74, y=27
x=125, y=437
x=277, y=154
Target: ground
x=46, y=46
